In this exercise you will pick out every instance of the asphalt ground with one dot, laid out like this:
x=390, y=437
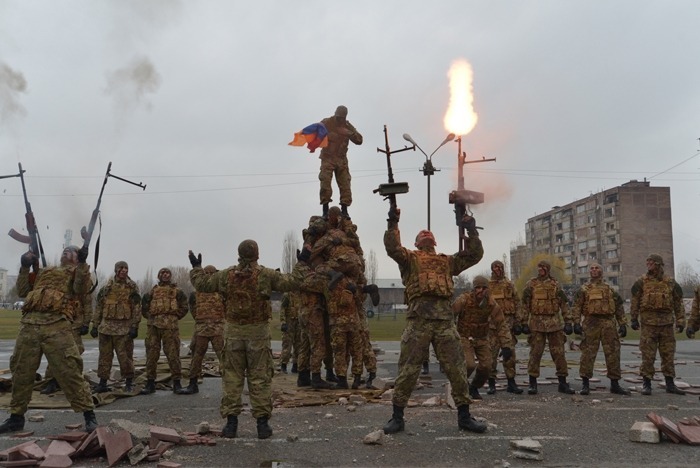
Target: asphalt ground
x=575, y=430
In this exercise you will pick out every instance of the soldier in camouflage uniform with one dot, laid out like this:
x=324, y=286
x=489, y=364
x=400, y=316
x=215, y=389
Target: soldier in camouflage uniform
x=694, y=320
x=291, y=332
x=163, y=307
x=46, y=330
x=503, y=292
x=657, y=303
x=346, y=340
x=603, y=322
x=246, y=287
x=369, y=359
x=427, y=277
x=208, y=310
x=116, y=322
x=334, y=159
x=544, y=305
x=475, y=312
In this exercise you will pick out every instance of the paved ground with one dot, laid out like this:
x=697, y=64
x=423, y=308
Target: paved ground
x=593, y=432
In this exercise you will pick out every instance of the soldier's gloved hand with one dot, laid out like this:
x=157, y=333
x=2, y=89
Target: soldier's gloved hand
x=83, y=330
x=690, y=332
x=336, y=241
x=83, y=254
x=304, y=255
x=394, y=215
x=133, y=333
x=507, y=353
x=517, y=329
x=94, y=332
x=577, y=329
x=196, y=262
x=568, y=329
x=351, y=287
x=679, y=328
x=469, y=223
x=622, y=331
x=28, y=259
x=284, y=328
x=526, y=329
x=635, y=324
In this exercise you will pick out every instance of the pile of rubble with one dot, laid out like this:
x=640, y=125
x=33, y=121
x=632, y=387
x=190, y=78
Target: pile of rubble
x=686, y=431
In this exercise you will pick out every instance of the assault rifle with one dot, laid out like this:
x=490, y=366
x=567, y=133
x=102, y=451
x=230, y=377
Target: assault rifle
x=391, y=189
x=32, y=237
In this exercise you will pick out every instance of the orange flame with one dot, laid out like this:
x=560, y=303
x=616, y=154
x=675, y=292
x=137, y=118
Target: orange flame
x=460, y=117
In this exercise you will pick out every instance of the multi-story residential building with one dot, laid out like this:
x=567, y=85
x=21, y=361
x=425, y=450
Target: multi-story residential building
x=616, y=228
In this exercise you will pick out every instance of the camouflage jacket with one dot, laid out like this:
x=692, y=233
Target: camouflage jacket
x=503, y=292
x=595, y=300
x=83, y=312
x=290, y=306
x=339, y=136
x=164, y=306
x=208, y=311
x=118, y=307
x=544, y=305
x=694, y=320
x=342, y=305
x=312, y=290
x=474, y=319
x=657, y=300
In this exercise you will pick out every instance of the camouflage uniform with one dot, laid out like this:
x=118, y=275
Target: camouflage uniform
x=311, y=321
x=81, y=321
x=163, y=307
x=346, y=340
x=694, y=320
x=369, y=359
x=208, y=311
x=334, y=159
x=117, y=313
x=289, y=315
x=504, y=293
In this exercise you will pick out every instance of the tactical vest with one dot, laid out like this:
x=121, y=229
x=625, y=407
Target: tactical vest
x=600, y=299
x=244, y=304
x=544, y=297
x=473, y=321
x=52, y=292
x=117, y=303
x=657, y=294
x=210, y=307
x=163, y=300
x=430, y=276
x=504, y=295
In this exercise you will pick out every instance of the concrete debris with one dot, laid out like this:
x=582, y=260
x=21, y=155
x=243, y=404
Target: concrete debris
x=328, y=416
x=577, y=398
x=202, y=428
x=292, y=438
x=36, y=418
x=646, y=432
x=351, y=408
x=525, y=455
x=374, y=438
x=433, y=401
x=388, y=395
x=527, y=449
x=357, y=399
x=342, y=401
x=672, y=407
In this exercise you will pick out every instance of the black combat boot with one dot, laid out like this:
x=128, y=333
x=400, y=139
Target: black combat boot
x=192, y=387
x=178, y=390
x=513, y=387
x=14, y=423
x=615, y=388
x=396, y=423
x=344, y=211
x=51, y=387
x=646, y=386
x=373, y=291
x=492, y=387
x=325, y=211
x=90, y=421
x=342, y=382
x=474, y=393
x=304, y=378
x=102, y=386
x=532, y=389
x=283, y=368
x=295, y=369
x=264, y=429
x=356, y=383
x=466, y=422
x=330, y=376
x=318, y=383
x=370, y=378
x=671, y=386
x=230, y=430
x=426, y=368
x=585, y=387
x=149, y=388
x=564, y=387
x=129, y=385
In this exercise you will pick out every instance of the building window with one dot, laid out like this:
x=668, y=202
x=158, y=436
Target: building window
x=558, y=238
x=592, y=255
x=581, y=246
x=580, y=208
x=609, y=212
x=566, y=224
x=569, y=248
x=591, y=243
x=612, y=240
x=612, y=280
x=611, y=253
x=612, y=198
x=609, y=226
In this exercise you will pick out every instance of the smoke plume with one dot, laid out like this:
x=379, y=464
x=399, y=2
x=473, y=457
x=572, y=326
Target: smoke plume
x=12, y=83
x=130, y=87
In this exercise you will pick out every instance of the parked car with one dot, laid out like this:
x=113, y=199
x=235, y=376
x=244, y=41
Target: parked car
x=18, y=305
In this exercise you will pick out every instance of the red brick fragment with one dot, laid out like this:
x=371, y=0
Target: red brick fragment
x=56, y=461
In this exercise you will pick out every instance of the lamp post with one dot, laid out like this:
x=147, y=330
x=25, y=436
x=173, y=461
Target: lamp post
x=428, y=168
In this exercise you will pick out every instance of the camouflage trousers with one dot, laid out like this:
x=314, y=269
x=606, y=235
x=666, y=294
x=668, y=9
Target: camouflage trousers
x=339, y=167
x=599, y=331
x=249, y=356
x=417, y=337
x=170, y=339
x=304, y=354
x=123, y=346
x=495, y=345
x=556, y=340
x=477, y=350
x=201, y=344
x=290, y=342
x=346, y=343
x=313, y=324
x=651, y=339
x=56, y=342
x=48, y=374
x=369, y=359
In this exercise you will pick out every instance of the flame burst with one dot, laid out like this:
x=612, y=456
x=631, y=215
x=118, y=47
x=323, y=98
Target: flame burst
x=460, y=117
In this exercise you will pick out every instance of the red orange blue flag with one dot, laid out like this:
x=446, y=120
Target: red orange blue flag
x=313, y=136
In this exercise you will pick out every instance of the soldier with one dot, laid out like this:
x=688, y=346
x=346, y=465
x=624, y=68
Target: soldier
x=334, y=159
x=475, y=312
x=545, y=304
x=694, y=320
x=208, y=310
x=503, y=292
x=247, y=354
x=163, y=307
x=46, y=330
x=427, y=277
x=603, y=320
x=116, y=322
x=291, y=332
x=369, y=359
x=657, y=303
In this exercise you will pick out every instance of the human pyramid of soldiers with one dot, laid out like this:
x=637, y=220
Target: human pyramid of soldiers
x=324, y=320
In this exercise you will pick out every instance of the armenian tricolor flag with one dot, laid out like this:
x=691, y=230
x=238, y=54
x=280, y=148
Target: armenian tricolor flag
x=314, y=136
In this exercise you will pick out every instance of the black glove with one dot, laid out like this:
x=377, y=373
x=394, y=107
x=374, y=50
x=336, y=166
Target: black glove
x=83, y=330
x=284, y=327
x=351, y=287
x=622, y=331
x=28, y=259
x=577, y=329
x=507, y=353
x=133, y=333
x=83, y=254
x=690, y=332
x=526, y=329
x=517, y=329
x=568, y=329
x=635, y=324
x=94, y=332
x=304, y=255
x=469, y=223
x=680, y=328
x=196, y=262
x=394, y=215
x=336, y=241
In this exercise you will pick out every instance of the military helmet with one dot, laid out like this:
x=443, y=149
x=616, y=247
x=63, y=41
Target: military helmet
x=164, y=270
x=210, y=269
x=341, y=111
x=73, y=248
x=480, y=281
x=497, y=262
x=120, y=264
x=656, y=258
x=248, y=250
x=545, y=264
x=424, y=236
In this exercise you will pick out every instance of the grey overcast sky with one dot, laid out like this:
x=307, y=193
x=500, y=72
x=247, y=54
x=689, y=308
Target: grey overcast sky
x=198, y=100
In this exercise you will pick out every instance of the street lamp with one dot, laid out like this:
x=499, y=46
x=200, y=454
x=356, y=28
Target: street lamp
x=428, y=168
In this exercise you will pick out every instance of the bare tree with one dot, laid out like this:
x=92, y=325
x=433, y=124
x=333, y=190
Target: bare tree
x=688, y=278
x=289, y=251
x=147, y=282
x=371, y=267
x=181, y=277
